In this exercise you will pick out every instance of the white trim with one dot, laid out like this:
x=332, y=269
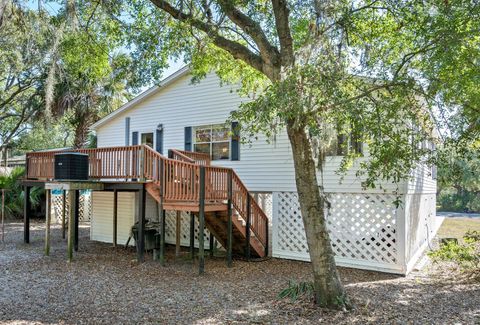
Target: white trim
x=146, y=94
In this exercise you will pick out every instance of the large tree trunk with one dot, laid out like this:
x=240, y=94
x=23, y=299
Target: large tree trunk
x=329, y=291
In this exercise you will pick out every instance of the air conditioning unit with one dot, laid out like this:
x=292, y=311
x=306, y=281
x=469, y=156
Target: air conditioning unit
x=71, y=166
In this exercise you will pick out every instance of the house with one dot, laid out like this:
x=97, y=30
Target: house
x=208, y=167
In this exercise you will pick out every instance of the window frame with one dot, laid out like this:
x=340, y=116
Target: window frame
x=211, y=142
x=153, y=138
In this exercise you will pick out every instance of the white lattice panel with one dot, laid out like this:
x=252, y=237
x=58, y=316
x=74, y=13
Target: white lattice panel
x=362, y=227
x=85, y=207
x=170, y=229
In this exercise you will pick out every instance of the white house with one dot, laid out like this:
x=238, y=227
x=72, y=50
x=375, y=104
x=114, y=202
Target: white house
x=366, y=228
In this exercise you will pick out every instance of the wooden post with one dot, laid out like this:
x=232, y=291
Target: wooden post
x=142, y=163
x=3, y=215
x=71, y=224
x=192, y=235
x=156, y=249
x=141, y=226
x=160, y=212
x=77, y=217
x=201, y=221
x=26, y=215
x=230, y=222
x=115, y=217
x=64, y=207
x=212, y=239
x=162, y=237
x=48, y=220
x=178, y=233
x=247, y=229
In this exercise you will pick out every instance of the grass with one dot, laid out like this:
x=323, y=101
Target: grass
x=457, y=227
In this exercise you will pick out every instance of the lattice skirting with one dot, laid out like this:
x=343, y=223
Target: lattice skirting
x=170, y=229
x=363, y=230
x=85, y=206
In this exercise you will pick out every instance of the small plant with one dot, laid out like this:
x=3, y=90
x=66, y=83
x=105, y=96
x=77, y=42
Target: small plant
x=466, y=255
x=296, y=290
x=472, y=235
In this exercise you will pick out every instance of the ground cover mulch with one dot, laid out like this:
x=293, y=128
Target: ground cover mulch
x=106, y=286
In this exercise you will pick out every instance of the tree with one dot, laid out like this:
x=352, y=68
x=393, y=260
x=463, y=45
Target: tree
x=367, y=68
x=25, y=43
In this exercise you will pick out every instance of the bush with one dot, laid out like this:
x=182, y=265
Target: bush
x=14, y=195
x=451, y=201
x=465, y=255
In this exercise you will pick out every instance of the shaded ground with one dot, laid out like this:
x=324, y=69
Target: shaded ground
x=104, y=285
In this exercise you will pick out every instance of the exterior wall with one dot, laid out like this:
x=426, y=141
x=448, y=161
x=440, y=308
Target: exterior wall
x=102, y=217
x=263, y=166
x=421, y=224
x=422, y=181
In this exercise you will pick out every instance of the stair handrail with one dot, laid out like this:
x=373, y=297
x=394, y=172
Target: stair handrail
x=179, y=155
x=199, y=158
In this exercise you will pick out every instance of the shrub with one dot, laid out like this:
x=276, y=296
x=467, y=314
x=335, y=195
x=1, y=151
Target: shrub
x=14, y=195
x=296, y=290
x=454, y=202
x=465, y=255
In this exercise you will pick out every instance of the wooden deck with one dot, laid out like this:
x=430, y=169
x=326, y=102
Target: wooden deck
x=183, y=181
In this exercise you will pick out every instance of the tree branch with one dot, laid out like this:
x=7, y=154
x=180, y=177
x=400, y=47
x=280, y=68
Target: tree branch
x=237, y=50
x=281, y=12
x=268, y=52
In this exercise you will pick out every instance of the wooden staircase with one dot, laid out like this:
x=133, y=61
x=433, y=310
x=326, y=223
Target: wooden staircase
x=249, y=222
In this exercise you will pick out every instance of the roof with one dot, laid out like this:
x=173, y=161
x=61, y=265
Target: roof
x=143, y=96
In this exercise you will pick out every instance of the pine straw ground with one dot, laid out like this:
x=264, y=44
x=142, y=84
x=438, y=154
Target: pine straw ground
x=105, y=285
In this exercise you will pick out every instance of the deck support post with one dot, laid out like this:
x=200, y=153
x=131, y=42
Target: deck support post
x=192, y=235
x=77, y=218
x=201, y=221
x=178, y=232
x=229, y=222
x=156, y=249
x=141, y=225
x=247, y=227
x=212, y=239
x=162, y=237
x=71, y=224
x=26, y=215
x=115, y=217
x=48, y=220
x=64, y=208
x=3, y=215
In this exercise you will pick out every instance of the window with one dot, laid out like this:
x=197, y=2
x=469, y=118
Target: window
x=147, y=138
x=341, y=144
x=213, y=140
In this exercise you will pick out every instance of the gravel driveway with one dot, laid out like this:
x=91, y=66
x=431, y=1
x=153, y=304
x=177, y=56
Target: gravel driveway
x=105, y=285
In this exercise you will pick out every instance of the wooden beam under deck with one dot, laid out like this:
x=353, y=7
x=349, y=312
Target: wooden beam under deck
x=194, y=207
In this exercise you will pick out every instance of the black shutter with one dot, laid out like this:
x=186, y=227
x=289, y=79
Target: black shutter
x=127, y=131
x=134, y=138
x=188, y=138
x=159, y=143
x=235, y=141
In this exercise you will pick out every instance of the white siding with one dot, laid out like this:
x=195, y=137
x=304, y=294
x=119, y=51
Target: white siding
x=102, y=216
x=422, y=181
x=262, y=166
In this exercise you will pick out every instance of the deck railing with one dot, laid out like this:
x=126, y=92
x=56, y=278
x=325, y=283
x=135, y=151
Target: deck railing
x=178, y=177
x=198, y=157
